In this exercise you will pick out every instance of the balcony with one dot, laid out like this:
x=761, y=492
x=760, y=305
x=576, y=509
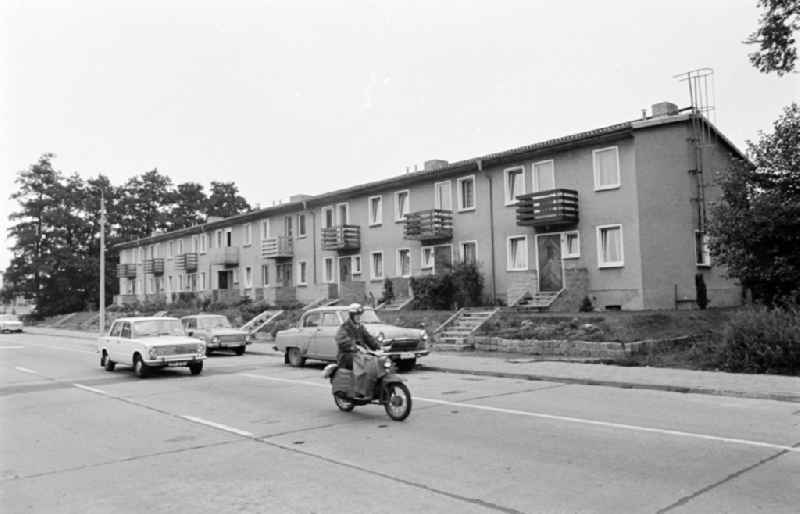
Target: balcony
x=341, y=238
x=154, y=266
x=227, y=256
x=126, y=270
x=431, y=226
x=186, y=262
x=281, y=247
x=548, y=209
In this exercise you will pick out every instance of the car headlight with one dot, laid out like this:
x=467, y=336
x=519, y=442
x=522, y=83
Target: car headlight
x=153, y=353
x=424, y=337
x=215, y=339
x=387, y=363
x=201, y=348
x=380, y=338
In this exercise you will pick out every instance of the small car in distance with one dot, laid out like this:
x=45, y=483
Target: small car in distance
x=10, y=323
x=216, y=331
x=314, y=338
x=148, y=343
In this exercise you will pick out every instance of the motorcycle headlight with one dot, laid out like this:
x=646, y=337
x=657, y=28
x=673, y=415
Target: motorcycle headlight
x=153, y=353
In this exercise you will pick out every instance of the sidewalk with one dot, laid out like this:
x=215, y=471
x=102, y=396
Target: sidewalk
x=772, y=387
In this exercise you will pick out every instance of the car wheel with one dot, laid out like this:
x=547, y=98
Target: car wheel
x=140, y=369
x=110, y=365
x=398, y=401
x=239, y=350
x=294, y=358
x=103, y=359
x=406, y=365
x=196, y=368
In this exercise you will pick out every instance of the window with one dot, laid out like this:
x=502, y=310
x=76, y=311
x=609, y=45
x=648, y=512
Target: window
x=403, y=266
x=152, y=251
x=191, y=281
x=606, y=168
x=248, y=277
x=376, y=265
x=572, y=245
x=609, y=246
x=264, y=275
x=466, y=193
x=327, y=217
x=442, y=196
x=229, y=237
x=375, y=210
x=248, y=234
x=141, y=254
x=301, y=225
x=203, y=281
x=195, y=244
x=203, y=243
x=701, y=250
x=302, y=268
x=343, y=213
x=125, y=331
x=219, y=239
x=427, y=257
x=180, y=281
x=544, y=176
x=116, y=329
x=169, y=283
x=330, y=319
x=264, y=229
x=402, y=201
x=514, y=184
x=327, y=270
x=313, y=319
x=517, y=252
x=180, y=246
x=288, y=229
x=355, y=264
x=469, y=252
x=170, y=249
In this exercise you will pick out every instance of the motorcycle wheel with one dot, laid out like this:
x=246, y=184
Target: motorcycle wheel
x=398, y=401
x=343, y=403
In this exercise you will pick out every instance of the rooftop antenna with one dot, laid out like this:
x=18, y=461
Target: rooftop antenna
x=702, y=95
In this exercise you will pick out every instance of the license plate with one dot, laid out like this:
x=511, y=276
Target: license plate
x=406, y=356
x=176, y=363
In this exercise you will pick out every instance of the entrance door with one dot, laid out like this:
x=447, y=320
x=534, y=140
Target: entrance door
x=224, y=279
x=345, y=269
x=283, y=274
x=550, y=271
x=443, y=258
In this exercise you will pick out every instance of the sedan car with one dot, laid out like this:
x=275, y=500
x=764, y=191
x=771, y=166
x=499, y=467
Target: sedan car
x=10, y=323
x=147, y=343
x=216, y=331
x=314, y=338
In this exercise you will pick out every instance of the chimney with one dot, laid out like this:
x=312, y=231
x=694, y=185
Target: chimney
x=435, y=164
x=664, y=109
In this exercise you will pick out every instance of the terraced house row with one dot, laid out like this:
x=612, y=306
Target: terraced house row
x=615, y=214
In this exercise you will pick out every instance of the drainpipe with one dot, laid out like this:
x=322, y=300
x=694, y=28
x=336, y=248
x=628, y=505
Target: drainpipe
x=479, y=162
x=313, y=238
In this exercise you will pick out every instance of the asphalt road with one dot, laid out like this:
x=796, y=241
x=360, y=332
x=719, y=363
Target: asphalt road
x=251, y=435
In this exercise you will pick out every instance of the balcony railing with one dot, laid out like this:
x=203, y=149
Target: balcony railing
x=341, y=237
x=281, y=247
x=186, y=262
x=154, y=266
x=227, y=256
x=551, y=208
x=126, y=270
x=434, y=225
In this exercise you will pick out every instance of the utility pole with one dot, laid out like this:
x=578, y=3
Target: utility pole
x=102, y=264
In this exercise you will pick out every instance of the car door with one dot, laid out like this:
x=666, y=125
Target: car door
x=324, y=341
x=307, y=333
x=110, y=341
x=125, y=343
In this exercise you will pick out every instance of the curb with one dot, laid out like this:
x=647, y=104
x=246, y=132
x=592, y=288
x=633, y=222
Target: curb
x=791, y=398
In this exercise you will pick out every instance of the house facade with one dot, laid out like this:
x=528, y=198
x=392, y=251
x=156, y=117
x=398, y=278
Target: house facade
x=616, y=215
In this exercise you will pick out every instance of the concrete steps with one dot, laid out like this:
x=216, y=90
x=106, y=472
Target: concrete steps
x=455, y=330
x=538, y=301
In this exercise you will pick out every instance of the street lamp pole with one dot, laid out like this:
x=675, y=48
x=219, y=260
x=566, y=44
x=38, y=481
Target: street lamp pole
x=102, y=264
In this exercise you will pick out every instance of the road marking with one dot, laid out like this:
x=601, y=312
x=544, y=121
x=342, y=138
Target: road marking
x=570, y=419
x=11, y=347
x=91, y=389
x=218, y=426
x=26, y=370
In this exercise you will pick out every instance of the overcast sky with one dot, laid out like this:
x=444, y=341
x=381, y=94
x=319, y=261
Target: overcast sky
x=304, y=97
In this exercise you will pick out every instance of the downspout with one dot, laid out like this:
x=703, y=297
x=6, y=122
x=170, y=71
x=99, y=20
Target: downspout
x=479, y=162
x=313, y=238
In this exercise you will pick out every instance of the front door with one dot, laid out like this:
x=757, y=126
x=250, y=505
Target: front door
x=442, y=259
x=283, y=274
x=345, y=269
x=224, y=279
x=550, y=272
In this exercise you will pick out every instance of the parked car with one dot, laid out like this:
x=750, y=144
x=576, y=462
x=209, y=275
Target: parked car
x=313, y=338
x=147, y=343
x=216, y=331
x=10, y=323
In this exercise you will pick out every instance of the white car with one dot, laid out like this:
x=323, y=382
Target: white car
x=147, y=343
x=10, y=323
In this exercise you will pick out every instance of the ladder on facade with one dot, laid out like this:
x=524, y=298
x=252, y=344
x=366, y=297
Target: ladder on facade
x=261, y=321
x=462, y=324
x=540, y=301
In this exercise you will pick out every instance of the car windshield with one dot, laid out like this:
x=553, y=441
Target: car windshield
x=157, y=327
x=369, y=317
x=213, y=322
x=8, y=317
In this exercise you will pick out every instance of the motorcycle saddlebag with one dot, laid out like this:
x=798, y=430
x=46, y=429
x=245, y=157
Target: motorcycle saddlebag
x=343, y=381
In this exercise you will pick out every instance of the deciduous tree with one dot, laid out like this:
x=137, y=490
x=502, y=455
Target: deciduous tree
x=775, y=37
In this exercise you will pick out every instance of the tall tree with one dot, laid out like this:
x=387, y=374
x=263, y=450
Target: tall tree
x=188, y=206
x=778, y=26
x=225, y=200
x=142, y=205
x=755, y=228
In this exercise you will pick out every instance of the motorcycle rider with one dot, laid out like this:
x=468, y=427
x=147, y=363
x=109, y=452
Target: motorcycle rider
x=349, y=337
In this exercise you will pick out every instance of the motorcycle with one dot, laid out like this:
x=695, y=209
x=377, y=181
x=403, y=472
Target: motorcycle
x=388, y=390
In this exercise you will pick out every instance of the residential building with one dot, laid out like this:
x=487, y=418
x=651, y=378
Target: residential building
x=616, y=214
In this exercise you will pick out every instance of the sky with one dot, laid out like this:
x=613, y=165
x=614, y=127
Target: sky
x=298, y=97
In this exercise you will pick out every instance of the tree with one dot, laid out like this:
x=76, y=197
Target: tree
x=776, y=36
x=755, y=228
x=188, y=206
x=225, y=200
x=142, y=205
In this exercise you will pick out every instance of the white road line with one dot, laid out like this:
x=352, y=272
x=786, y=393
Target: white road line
x=218, y=426
x=570, y=419
x=11, y=347
x=26, y=370
x=91, y=389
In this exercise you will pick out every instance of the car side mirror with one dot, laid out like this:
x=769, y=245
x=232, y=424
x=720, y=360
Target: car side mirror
x=190, y=333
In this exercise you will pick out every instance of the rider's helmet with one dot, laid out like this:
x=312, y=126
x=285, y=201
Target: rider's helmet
x=355, y=308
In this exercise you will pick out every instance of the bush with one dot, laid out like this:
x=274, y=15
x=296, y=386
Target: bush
x=388, y=292
x=586, y=305
x=467, y=285
x=701, y=291
x=432, y=292
x=761, y=340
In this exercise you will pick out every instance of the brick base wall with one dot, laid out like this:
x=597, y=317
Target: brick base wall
x=519, y=283
x=576, y=287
